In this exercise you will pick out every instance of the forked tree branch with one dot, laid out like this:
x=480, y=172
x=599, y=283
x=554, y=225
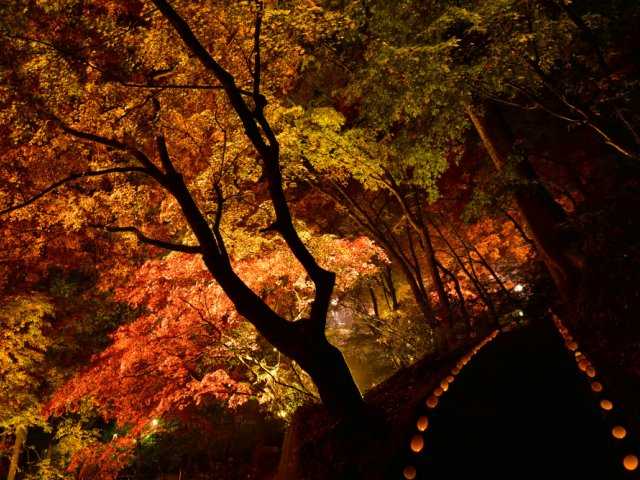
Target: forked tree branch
x=139, y=155
x=257, y=128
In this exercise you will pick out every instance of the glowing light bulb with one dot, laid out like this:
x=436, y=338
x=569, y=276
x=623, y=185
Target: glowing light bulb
x=596, y=387
x=591, y=372
x=438, y=391
x=518, y=288
x=618, y=432
x=409, y=472
x=606, y=404
x=423, y=423
x=573, y=346
x=630, y=462
x=450, y=379
x=583, y=364
x=432, y=402
x=417, y=443
x=154, y=422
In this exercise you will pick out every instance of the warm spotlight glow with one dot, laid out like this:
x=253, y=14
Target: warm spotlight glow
x=417, y=443
x=606, y=404
x=518, y=288
x=423, y=423
x=409, y=472
x=619, y=432
x=596, y=387
x=630, y=462
x=432, y=402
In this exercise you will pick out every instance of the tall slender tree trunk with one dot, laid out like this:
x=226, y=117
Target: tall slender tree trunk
x=517, y=226
x=456, y=285
x=391, y=288
x=374, y=302
x=416, y=261
x=539, y=210
x=21, y=436
x=432, y=267
x=420, y=227
x=482, y=293
x=471, y=248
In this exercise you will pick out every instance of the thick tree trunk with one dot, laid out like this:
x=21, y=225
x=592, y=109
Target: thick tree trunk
x=331, y=375
x=303, y=341
x=21, y=436
x=537, y=207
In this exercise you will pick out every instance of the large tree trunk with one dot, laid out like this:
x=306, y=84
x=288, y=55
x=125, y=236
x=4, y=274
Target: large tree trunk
x=538, y=208
x=303, y=341
x=330, y=373
x=21, y=436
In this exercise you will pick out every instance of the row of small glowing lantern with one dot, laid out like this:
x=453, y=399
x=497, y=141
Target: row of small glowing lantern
x=629, y=461
x=417, y=441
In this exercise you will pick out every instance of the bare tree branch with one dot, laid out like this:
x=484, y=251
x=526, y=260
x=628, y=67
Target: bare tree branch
x=111, y=76
x=176, y=247
x=256, y=52
x=70, y=178
x=149, y=167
